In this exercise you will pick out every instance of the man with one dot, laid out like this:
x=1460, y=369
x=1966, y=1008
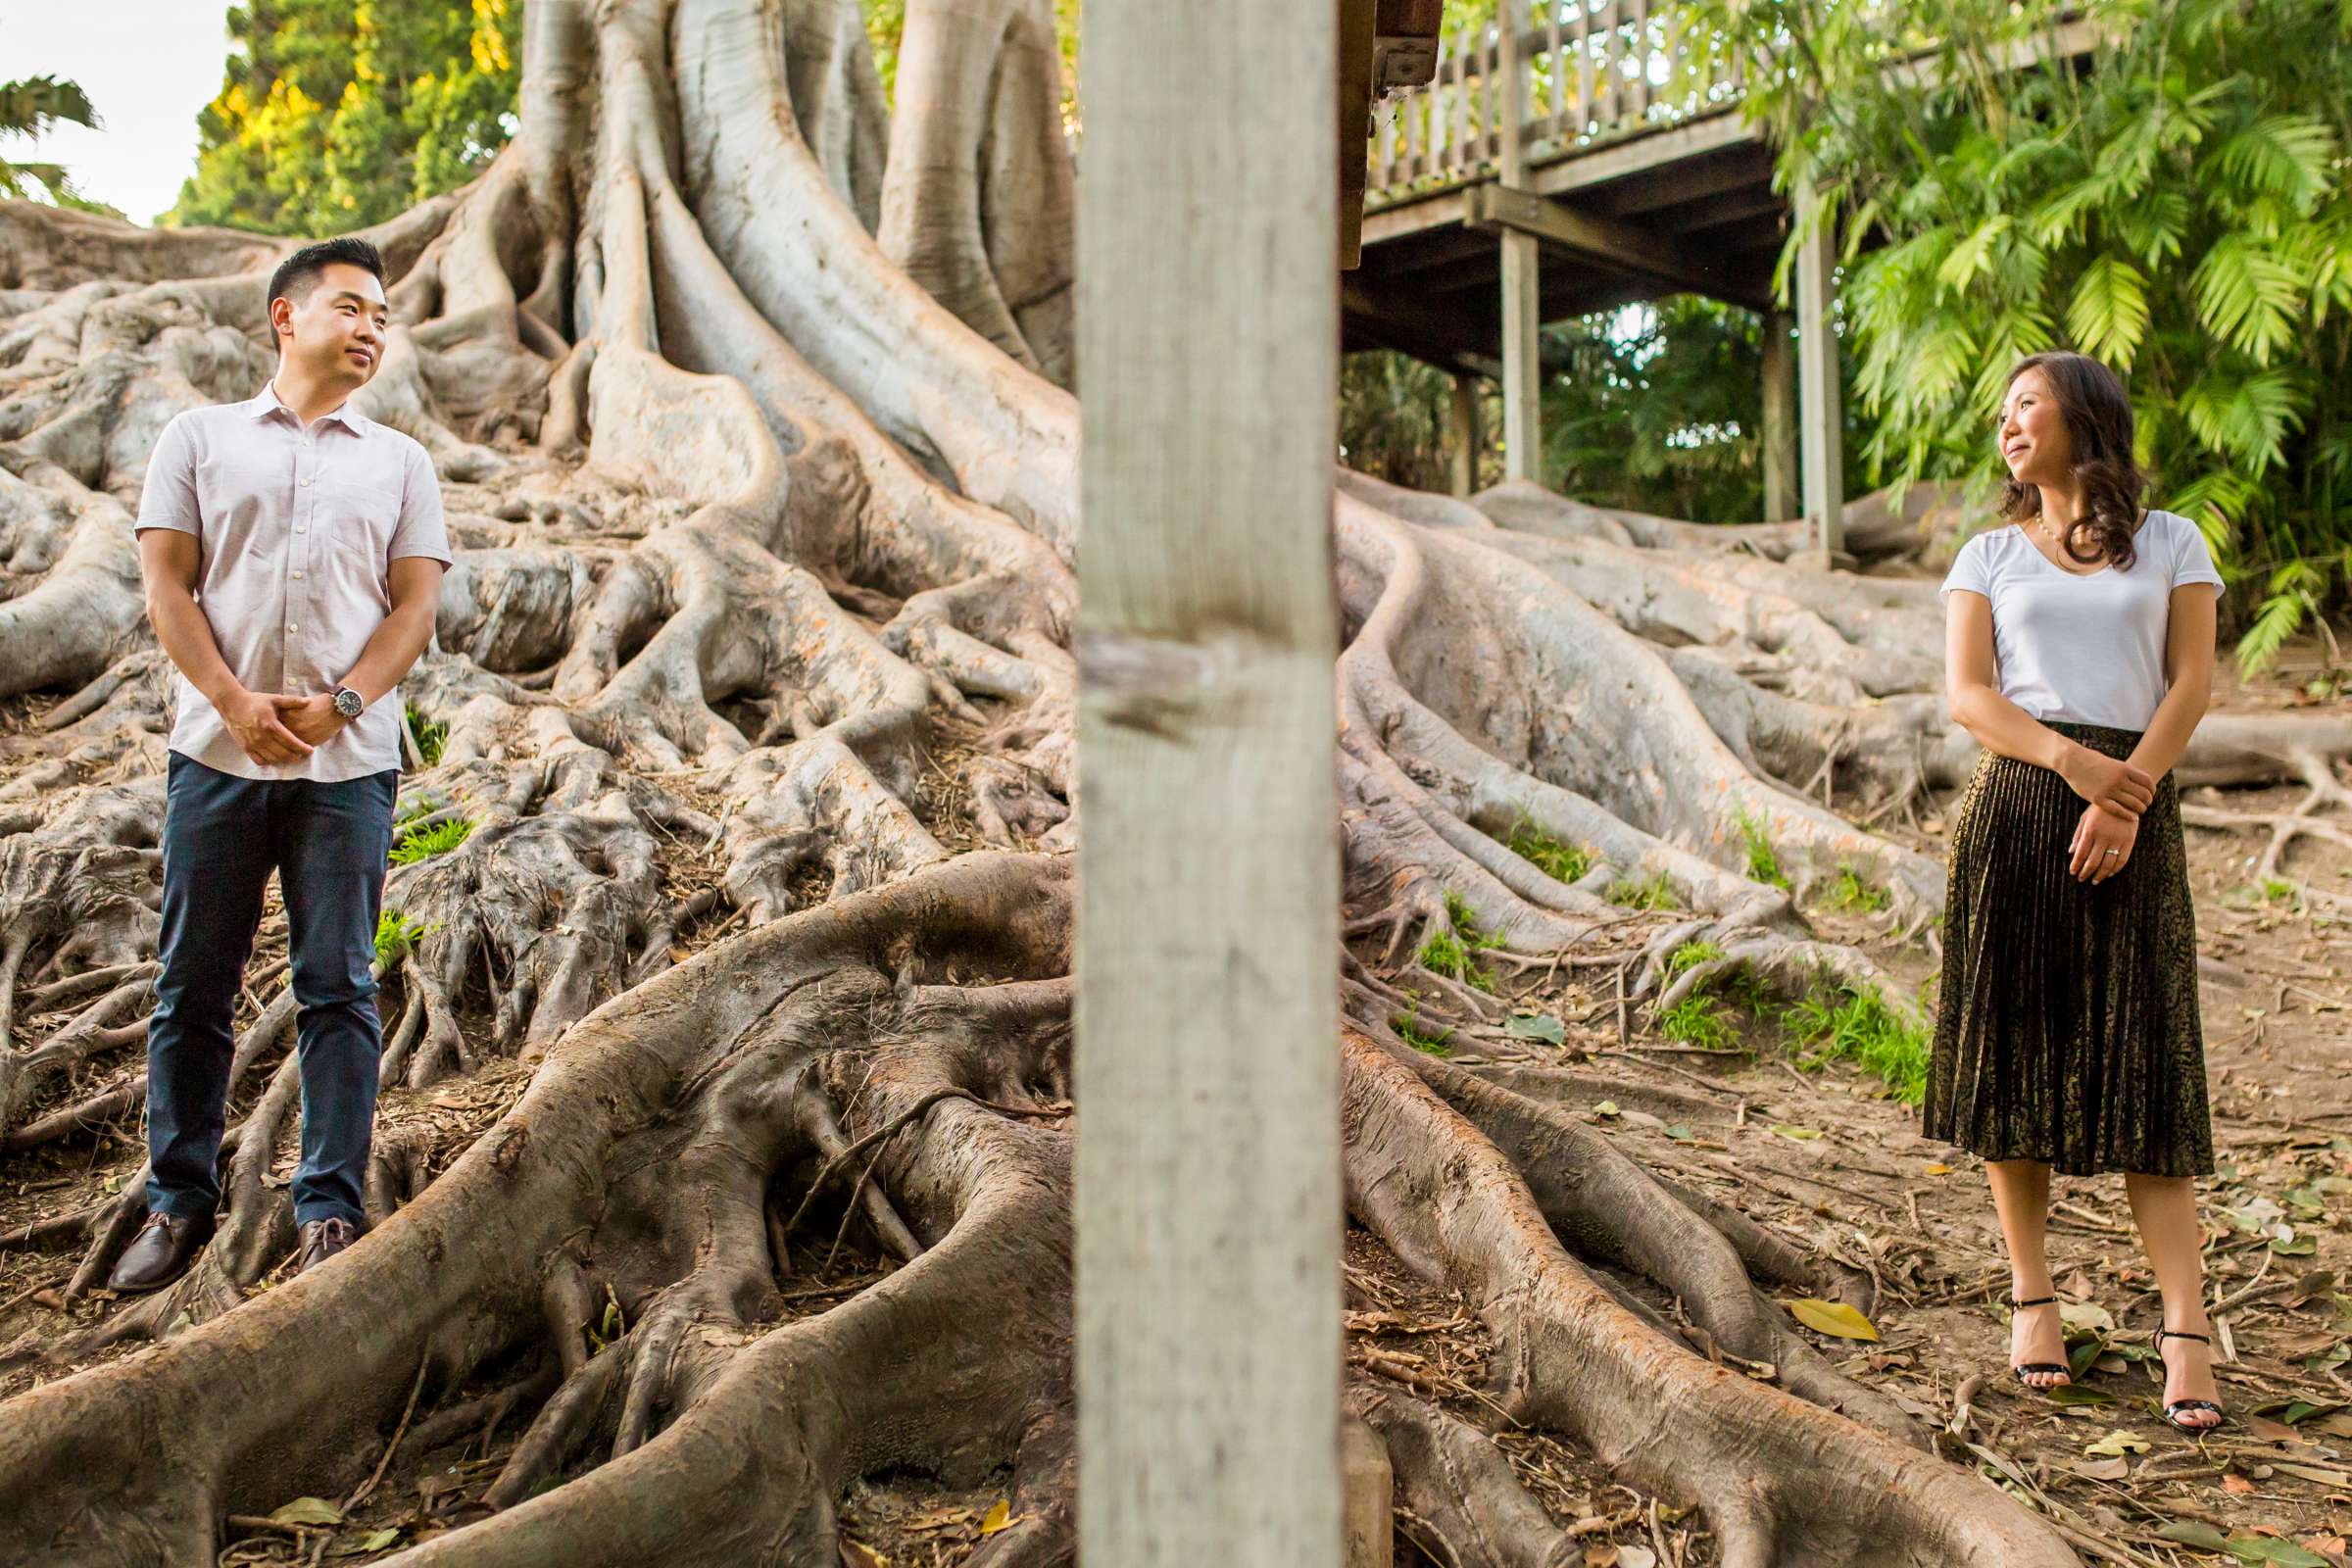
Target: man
x=292, y=552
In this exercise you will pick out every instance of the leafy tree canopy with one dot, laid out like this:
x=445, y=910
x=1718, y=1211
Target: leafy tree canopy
x=2175, y=203
x=335, y=115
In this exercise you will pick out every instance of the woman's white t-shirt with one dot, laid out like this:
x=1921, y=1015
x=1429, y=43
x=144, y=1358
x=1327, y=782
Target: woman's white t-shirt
x=2084, y=649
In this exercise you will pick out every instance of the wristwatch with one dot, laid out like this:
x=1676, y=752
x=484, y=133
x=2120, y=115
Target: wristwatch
x=349, y=703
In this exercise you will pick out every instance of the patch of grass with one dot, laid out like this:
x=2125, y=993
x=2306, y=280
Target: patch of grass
x=1689, y=955
x=1836, y=1022
x=1709, y=1016
x=1698, y=1019
x=1453, y=953
x=1563, y=863
x=430, y=736
x=1850, y=892
x=1408, y=1030
x=423, y=843
x=396, y=937
x=1651, y=892
x=1763, y=864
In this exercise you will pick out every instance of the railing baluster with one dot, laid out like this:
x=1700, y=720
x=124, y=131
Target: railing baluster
x=1490, y=145
x=1617, y=64
x=1559, y=70
x=1584, y=67
x=1641, y=57
x=1459, y=146
x=1401, y=151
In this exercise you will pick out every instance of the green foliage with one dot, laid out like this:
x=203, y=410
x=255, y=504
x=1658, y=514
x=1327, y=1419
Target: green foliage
x=1409, y=1029
x=1689, y=955
x=885, y=22
x=1708, y=1016
x=396, y=937
x=429, y=734
x=423, y=843
x=1763, y=864
x=1698, y=1019
x=333, y=116
x=1394, y=420
x=1852, y=892
x=1651, y=892
x=1840, y=1022
x=2175, y=205
x=29, y=106
x=1563, y=863
x=1454, y=952
x=1657, y=408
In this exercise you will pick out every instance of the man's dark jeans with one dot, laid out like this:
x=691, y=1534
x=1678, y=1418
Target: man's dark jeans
x=222, y=835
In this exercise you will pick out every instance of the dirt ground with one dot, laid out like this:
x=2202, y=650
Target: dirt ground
x=1824, y=1156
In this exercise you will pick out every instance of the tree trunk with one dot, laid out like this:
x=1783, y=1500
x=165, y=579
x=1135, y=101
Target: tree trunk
x=759, y=690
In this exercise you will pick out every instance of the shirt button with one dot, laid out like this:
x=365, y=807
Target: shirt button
x=290, y=625
x=306, y=481
x=301, y=527
x=298, y=577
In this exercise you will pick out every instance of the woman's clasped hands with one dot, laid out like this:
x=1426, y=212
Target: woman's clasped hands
x=2118, y=792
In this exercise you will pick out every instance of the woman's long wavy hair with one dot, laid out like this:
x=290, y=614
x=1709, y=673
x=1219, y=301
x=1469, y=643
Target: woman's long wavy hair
x=2098, y=420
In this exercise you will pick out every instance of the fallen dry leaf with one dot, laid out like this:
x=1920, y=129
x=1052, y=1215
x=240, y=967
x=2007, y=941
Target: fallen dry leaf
x=1831, y=1317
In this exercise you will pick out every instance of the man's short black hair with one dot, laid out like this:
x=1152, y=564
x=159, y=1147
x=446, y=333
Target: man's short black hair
x=298, y=273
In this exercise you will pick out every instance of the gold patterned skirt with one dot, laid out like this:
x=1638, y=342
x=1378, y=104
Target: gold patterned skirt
x=2066, y=1028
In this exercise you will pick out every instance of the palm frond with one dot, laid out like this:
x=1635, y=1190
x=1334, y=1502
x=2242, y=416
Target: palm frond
x=30, y=104
x=2248, y=297
x=2285, y=155
x=2109, y=314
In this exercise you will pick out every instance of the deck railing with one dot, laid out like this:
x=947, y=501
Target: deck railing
x=1589, y=70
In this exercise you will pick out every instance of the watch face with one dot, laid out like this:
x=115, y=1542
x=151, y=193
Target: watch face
x=347, y=702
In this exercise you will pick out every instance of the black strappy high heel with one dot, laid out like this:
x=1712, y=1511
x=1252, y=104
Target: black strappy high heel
x=2173, y=1411
x=2059, y=1367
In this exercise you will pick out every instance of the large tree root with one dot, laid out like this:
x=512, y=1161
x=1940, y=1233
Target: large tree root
x=761, y=627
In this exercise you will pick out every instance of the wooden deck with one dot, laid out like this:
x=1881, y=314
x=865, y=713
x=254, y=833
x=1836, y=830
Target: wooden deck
x=1631, y=135
x=1630, y=129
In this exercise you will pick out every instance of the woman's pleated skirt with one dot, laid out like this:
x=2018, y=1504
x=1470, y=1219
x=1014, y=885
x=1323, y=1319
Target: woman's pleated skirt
x=2066, y=1028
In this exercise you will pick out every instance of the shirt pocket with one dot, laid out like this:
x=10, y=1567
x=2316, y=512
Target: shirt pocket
x=358, y=516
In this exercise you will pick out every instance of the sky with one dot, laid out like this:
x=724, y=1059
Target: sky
x=148, y=66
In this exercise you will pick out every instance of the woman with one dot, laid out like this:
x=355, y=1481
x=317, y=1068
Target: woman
x=2079, y=648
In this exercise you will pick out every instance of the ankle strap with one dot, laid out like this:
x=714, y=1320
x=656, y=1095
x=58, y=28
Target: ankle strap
x=2163, y=1334
x=2039, y=1301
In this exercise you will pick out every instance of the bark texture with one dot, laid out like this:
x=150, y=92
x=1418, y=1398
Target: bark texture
x=756, y=679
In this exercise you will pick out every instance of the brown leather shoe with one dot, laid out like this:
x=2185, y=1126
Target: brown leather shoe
x=160, y=1254
x=323, y=1238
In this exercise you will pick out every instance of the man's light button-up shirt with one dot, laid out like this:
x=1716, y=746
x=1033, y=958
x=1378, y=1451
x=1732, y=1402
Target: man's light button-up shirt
x=240, y=478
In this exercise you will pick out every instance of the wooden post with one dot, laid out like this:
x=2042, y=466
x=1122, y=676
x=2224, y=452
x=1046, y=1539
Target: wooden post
x=1818, y=407
x=1461, y=433
x=1356, y=39
x=1780, y=418
x=1209, y=1205
x=1522, y=298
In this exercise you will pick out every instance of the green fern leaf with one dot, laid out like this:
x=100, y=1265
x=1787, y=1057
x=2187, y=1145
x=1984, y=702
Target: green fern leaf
x=2283, y=155
x=2109, y=314
x=1973, y=254
x=2279, y=619
x=2248, y=297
